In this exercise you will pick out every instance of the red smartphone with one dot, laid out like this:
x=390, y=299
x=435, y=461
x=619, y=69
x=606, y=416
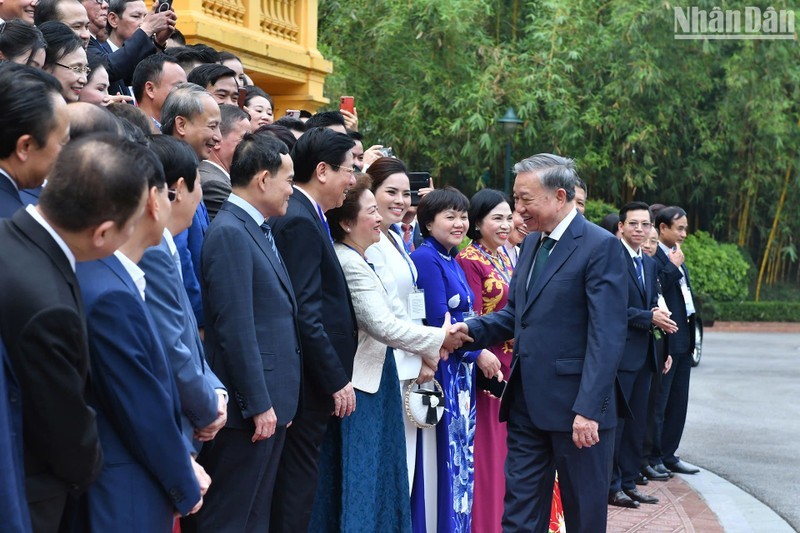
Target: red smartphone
x=164, y=5
x=347, y=103
x=293, y=113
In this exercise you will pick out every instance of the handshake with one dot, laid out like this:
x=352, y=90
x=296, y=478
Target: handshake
x=455, y=336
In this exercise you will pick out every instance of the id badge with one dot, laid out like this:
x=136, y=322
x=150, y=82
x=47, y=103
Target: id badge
x=416, y=305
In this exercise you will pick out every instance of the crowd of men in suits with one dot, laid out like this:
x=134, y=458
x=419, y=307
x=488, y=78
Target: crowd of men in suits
x=167, y=355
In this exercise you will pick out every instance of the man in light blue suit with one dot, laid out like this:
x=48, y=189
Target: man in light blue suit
x=203, y=396
x=148, y=474
x=567, y=313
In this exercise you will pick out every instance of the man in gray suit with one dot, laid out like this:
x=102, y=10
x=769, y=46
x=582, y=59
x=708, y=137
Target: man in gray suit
x=215, y=175
x=252, y=338
x=202, y=396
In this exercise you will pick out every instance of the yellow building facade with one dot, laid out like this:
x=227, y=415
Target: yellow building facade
x=275, y=39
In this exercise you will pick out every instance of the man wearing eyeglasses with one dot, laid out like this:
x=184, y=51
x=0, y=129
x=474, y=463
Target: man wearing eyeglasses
x=133, y=34
x=323, y=164
x=639, y=358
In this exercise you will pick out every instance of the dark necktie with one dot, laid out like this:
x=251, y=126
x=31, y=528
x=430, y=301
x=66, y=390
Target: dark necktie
x=540, y=260
x=270, y=240
x=324, y=223
x=408, y=237
x=639, y=271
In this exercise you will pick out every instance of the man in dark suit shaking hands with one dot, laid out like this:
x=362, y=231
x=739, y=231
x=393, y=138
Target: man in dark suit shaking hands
x=567, y=314
x=252, y=338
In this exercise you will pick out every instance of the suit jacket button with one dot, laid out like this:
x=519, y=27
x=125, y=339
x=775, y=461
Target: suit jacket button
x=297, y=350
x=524, y=325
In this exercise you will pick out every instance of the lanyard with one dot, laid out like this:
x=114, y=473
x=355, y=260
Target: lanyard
x=504, y=273
x=404, y=254
x=459, y=274
x=370, y=265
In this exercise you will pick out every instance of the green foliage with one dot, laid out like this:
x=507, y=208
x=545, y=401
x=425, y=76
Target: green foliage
x=708, y=125
x=759, y=311
x=597, y=209
x=719, y=271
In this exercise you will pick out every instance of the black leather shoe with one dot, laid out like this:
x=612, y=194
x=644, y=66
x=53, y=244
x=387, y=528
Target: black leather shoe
x=651, y=473
x=620, y=499
x=661, y=469
x=641, y=497
x=641, y=480
x=682, y=468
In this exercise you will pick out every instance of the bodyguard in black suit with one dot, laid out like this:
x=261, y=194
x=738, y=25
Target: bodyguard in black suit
x=673, y=397
x=638, y=360
x=85, y=213
x=31, y=136
x=323, y=171
x=252, y=338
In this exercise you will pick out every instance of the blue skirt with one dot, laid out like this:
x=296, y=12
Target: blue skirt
x=363, y=473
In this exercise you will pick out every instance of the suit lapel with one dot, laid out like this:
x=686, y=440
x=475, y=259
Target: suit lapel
x=260, y=240
x=116, y=267
x=40, y=238
x=563, y=249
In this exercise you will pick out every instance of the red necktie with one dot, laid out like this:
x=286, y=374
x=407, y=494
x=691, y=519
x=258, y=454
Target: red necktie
x=408, y=230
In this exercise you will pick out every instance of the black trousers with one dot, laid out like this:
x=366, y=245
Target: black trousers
x=242, y=482
x=533, y=457
x=630, y=434
x=298, y=472
x=671, y=407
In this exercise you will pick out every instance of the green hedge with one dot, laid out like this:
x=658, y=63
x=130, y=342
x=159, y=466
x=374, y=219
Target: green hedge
x=597, y=209
x=719, y=272
x=758, y=311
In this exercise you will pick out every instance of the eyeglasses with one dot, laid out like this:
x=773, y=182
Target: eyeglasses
x=349, y=170
x=76, y=70
x=644, y=225
x=100, y=2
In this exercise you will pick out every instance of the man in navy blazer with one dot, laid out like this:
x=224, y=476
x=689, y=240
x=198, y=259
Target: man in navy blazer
x=252, y=338
x=203, y=396
x=673, y=397
x=567, y=314
x=148, y=473
x=32, y=136
x=639, y=359
x=323, y=162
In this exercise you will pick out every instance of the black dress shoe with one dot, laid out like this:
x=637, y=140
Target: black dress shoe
x=620, y=499
x=641, y=497
x=682, y=468
x=641, y=480
x=651, y=473
x=661, y=469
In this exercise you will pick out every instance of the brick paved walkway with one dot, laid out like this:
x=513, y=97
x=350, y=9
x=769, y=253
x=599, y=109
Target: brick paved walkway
x=680, y=510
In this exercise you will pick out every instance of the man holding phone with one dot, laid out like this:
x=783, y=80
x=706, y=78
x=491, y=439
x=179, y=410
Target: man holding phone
x=142, y=33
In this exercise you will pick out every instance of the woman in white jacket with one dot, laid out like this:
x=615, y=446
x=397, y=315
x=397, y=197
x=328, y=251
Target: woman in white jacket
x=363, y=472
